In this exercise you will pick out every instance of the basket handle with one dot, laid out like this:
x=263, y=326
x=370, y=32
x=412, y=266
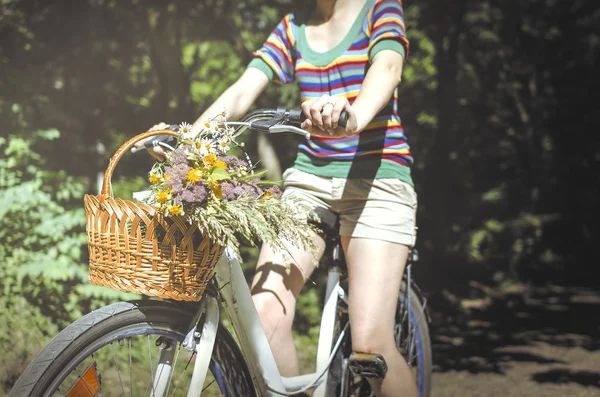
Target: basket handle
x=122, y=150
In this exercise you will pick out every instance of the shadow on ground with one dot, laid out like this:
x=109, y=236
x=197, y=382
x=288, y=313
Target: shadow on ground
x=584, y=378
x=499, y=329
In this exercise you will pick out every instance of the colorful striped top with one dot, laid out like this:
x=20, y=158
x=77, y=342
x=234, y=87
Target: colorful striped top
x=381, y=149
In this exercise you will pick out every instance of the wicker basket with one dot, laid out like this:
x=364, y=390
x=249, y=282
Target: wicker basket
x=135, y=249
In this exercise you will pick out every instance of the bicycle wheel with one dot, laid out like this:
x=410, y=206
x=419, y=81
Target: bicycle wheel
x=115, y=350
x=412, y=338
x=412, y=341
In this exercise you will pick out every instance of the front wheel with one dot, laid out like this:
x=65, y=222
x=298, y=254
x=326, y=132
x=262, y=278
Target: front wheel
x=132, y=349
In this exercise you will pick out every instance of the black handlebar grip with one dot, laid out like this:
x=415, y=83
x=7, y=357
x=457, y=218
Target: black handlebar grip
x=296, y=116
x=343, y=121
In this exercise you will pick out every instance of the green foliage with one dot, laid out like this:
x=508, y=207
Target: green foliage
x=306, y=328
x=498, y=101
x=24, y=333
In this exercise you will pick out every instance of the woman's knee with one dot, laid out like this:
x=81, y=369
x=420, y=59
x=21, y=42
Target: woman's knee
x=274, y=311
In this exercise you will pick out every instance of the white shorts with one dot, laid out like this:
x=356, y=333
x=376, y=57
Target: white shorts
x=380, y=209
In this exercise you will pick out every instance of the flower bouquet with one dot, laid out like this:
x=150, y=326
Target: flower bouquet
x=223, y=195
x=202, y=199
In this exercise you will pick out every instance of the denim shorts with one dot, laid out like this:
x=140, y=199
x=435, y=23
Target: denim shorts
x=380, y=209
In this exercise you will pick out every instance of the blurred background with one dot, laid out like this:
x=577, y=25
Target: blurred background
x=499, y=101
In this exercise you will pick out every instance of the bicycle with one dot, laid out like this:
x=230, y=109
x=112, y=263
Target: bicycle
x=86, y=358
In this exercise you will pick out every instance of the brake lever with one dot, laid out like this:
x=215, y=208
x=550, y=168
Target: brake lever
x=288, y=128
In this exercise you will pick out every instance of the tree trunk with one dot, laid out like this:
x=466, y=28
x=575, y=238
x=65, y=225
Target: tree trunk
x=446, y=38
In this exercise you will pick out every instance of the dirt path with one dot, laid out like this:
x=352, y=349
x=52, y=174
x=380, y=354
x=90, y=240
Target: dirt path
x=540, y=342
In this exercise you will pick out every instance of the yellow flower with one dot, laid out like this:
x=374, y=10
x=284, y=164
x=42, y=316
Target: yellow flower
x=220, y=164
x=194, y=175
x=176, y=210
x=155, y=179
x=212, y=183
x=210, y=159
x=163, y=196
x=217, y=191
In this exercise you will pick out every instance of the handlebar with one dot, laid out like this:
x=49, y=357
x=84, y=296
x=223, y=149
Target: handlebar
x=166, y=141
x=265, y=120
x=279, y=120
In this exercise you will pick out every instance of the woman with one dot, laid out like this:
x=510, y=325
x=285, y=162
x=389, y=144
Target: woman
x=345, y=55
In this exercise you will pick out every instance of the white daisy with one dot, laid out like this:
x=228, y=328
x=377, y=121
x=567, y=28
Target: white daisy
x=206, y=146
x=185, y=129
x=211, y=126
x=223, y=145
x=229, y=133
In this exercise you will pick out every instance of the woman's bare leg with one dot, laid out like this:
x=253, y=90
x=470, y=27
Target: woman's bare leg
x=374, y=275
x=274, y=292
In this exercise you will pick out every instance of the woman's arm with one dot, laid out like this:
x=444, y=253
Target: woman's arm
x=382, y=78
x=237, y=99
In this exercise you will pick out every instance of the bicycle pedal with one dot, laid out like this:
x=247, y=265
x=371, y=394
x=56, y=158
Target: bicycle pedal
x=368, y=365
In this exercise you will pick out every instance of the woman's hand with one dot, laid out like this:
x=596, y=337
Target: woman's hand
x=157, y=151
x=323, y=115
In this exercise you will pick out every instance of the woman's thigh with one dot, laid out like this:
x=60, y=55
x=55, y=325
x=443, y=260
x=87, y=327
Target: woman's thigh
x=375, y=269
x=278, y=282
x=284, y=277
x=380, y=209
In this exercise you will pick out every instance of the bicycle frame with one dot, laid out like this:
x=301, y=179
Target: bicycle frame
x=235, y=299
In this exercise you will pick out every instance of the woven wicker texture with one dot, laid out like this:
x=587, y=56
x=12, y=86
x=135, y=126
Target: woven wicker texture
x=132, y=248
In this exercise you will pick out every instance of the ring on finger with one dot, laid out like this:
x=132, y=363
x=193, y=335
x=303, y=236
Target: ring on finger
x=329, y=103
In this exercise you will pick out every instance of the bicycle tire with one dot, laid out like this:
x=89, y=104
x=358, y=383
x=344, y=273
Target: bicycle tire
x=165, y=316
x=422, y=339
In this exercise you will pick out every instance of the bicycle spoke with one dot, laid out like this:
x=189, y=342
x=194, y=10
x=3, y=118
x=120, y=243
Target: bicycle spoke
x=112, y=346
x=130, y=370
x=151, y=370
x=183, y=372
x=213, y=381
x=174, y=366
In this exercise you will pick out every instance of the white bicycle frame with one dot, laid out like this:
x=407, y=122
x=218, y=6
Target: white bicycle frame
x=237, y=303
x=235, y=299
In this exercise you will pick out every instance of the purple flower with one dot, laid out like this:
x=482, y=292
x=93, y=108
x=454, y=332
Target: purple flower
x=247, y=189
x=178, y=171
x=229, y=193
x=179, y=156
x=200, y=192
x=196, y=194
x=175, y=184
x=234, y=162
x=275, y=191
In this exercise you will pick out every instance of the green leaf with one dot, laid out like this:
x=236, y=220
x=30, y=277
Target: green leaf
x=219, y=174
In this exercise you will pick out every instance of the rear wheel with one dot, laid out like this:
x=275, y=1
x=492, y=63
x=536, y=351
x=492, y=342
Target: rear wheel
x=411, y=332
x=412, y=338
x=117, y=351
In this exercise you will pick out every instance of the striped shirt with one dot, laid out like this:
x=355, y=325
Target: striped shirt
x=381, y=149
